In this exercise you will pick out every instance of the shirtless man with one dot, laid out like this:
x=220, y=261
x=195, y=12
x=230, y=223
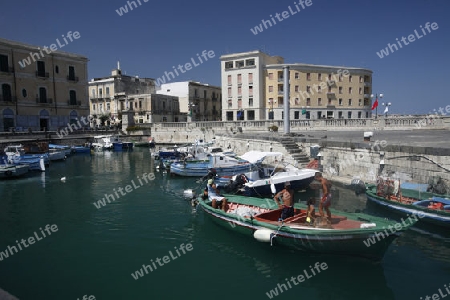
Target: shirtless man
x=288, y=201
x=325, y=201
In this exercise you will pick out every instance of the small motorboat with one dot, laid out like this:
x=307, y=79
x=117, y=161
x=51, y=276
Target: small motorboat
x=12, y=171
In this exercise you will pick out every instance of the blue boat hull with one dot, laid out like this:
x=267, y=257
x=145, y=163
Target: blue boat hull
x=122, y=146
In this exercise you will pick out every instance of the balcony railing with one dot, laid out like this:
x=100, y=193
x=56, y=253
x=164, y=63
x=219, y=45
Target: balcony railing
x=367, y=84
x=366, y=95
x=74, y=103
x=280, y=92
x=44, y=100
x=280, y=79
x=72, y=78
x=8, y=98
x=42, y=74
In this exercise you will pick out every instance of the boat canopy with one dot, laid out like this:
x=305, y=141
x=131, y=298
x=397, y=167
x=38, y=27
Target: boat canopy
x=258, y=156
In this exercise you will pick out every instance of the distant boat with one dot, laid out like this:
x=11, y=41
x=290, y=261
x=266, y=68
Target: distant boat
x=81, y=149
x=36, y=161
x=103, y=142
x=65, y=148
x=56, y=154
x=433, y=208
x=13, y=171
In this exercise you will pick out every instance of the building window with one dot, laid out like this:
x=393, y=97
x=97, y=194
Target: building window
x=359, y=115
x=40, y=69
x=308, y=101
x=329, y=101
x=319, y=101
x=108, y=106
x=229, y=65
x=140, y=103
x=229, y=79
x=250, y=102
x=297, y=101
x=229, y=116
x=367, y=114
x=250, y=62
x=93, y=107
x=296, y=88
x=270, y=88
x=6, y=92
x=360, y=79
x=349, y=102
x=107, y=91
x=100, y=107
x=340, y=77
x=308, y=89
x=250, y=90
x=349, y=114
x=240, y=64
x=360, y=91
x=340, y=115
x=360, y=102
x=71, y=73
x=308, y=76
x=350, y=90
x=72, y=98
x=42, y=95
x=239, y=78
x=297, y=75
x=340, y=101
x=329, y=89
x=24, y=93
x=350, y=78
x=250, y=78
x=340, y=90
x=229, y=92
x=93, y=93
x=319, y=76
x=296, y=115
x=100, y=92
x=4, y=65
x=239, y=91
x=270, y=76
x=56, y=69
x=319, y=89
x=204, y=94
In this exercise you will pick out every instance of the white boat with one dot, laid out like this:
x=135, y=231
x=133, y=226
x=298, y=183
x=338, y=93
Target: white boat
x=103, y=142
x=11, y=171
x=66, y=148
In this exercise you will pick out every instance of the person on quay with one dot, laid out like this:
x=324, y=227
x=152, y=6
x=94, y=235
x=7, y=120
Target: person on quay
x=325, y=199
x=287, y=196
x=217, y=201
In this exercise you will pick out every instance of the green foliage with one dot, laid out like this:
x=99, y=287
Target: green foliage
x=134, y=128
x=273, y=128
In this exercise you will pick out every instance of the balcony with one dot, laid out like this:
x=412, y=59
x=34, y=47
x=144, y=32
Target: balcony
x=72, y=78
x=7, y=70
x=42, y=74
x=8, y=98
x=74, y=103
x=44, y=100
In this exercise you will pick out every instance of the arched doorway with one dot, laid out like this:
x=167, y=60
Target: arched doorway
x=44, y=117
x=8, y=119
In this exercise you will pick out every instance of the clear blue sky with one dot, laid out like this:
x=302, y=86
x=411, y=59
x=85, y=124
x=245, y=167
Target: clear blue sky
x=152, y=38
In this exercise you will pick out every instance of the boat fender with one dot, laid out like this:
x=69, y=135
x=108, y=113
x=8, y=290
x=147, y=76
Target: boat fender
x=263, y=235
x=8, y=173
x=273, y=189
x=367, y=225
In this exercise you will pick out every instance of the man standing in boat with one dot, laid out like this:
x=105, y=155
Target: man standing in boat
x=287, y=195
x=325, y=198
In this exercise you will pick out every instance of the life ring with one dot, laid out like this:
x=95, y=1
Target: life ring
x=8, y=173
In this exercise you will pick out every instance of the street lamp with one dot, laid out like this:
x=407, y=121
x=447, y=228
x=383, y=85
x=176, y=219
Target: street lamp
x=190, y=106
x=387, y=108
x=376, y=101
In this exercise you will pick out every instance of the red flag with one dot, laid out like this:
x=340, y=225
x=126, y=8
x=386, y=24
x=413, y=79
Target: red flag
x=375, y=104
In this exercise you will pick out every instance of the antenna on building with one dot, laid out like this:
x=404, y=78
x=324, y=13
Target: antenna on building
x=118, y=65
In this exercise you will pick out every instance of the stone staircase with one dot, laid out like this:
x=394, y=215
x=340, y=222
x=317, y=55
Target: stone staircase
x=295, y=151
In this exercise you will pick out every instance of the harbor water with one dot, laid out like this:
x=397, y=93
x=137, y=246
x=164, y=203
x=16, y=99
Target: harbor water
x=96, y=249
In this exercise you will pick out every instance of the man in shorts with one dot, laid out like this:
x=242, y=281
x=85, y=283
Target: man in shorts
x=217, y=201
x=325, y=200
x=287, y=195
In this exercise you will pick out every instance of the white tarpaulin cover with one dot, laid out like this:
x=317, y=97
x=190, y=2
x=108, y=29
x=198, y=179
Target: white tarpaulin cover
x=257, y=156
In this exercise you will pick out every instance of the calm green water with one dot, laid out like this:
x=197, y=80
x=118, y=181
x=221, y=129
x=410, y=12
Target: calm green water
x=95, y=250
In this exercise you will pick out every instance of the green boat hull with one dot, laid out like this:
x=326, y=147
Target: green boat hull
x=353, y=242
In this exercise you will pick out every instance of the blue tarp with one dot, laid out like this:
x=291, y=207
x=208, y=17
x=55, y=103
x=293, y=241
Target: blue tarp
x=421, y=187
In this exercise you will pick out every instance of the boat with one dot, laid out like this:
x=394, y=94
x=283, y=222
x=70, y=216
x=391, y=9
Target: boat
x=103, y=142
x=148, y=143
x=219, y=163
x=12, y=171
x=431, y=208
x=354, y=234
x=66, y=148
x=20, y=155
x=56, y=154
x=119, y=145
x=81, y=149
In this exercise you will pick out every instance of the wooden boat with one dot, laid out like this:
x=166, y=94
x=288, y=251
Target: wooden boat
x=431, y=208
x=353, y=234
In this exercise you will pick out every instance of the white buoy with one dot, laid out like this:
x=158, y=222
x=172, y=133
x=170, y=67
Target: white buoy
x=63, y=179
x=273, y=189
x=263, y=235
